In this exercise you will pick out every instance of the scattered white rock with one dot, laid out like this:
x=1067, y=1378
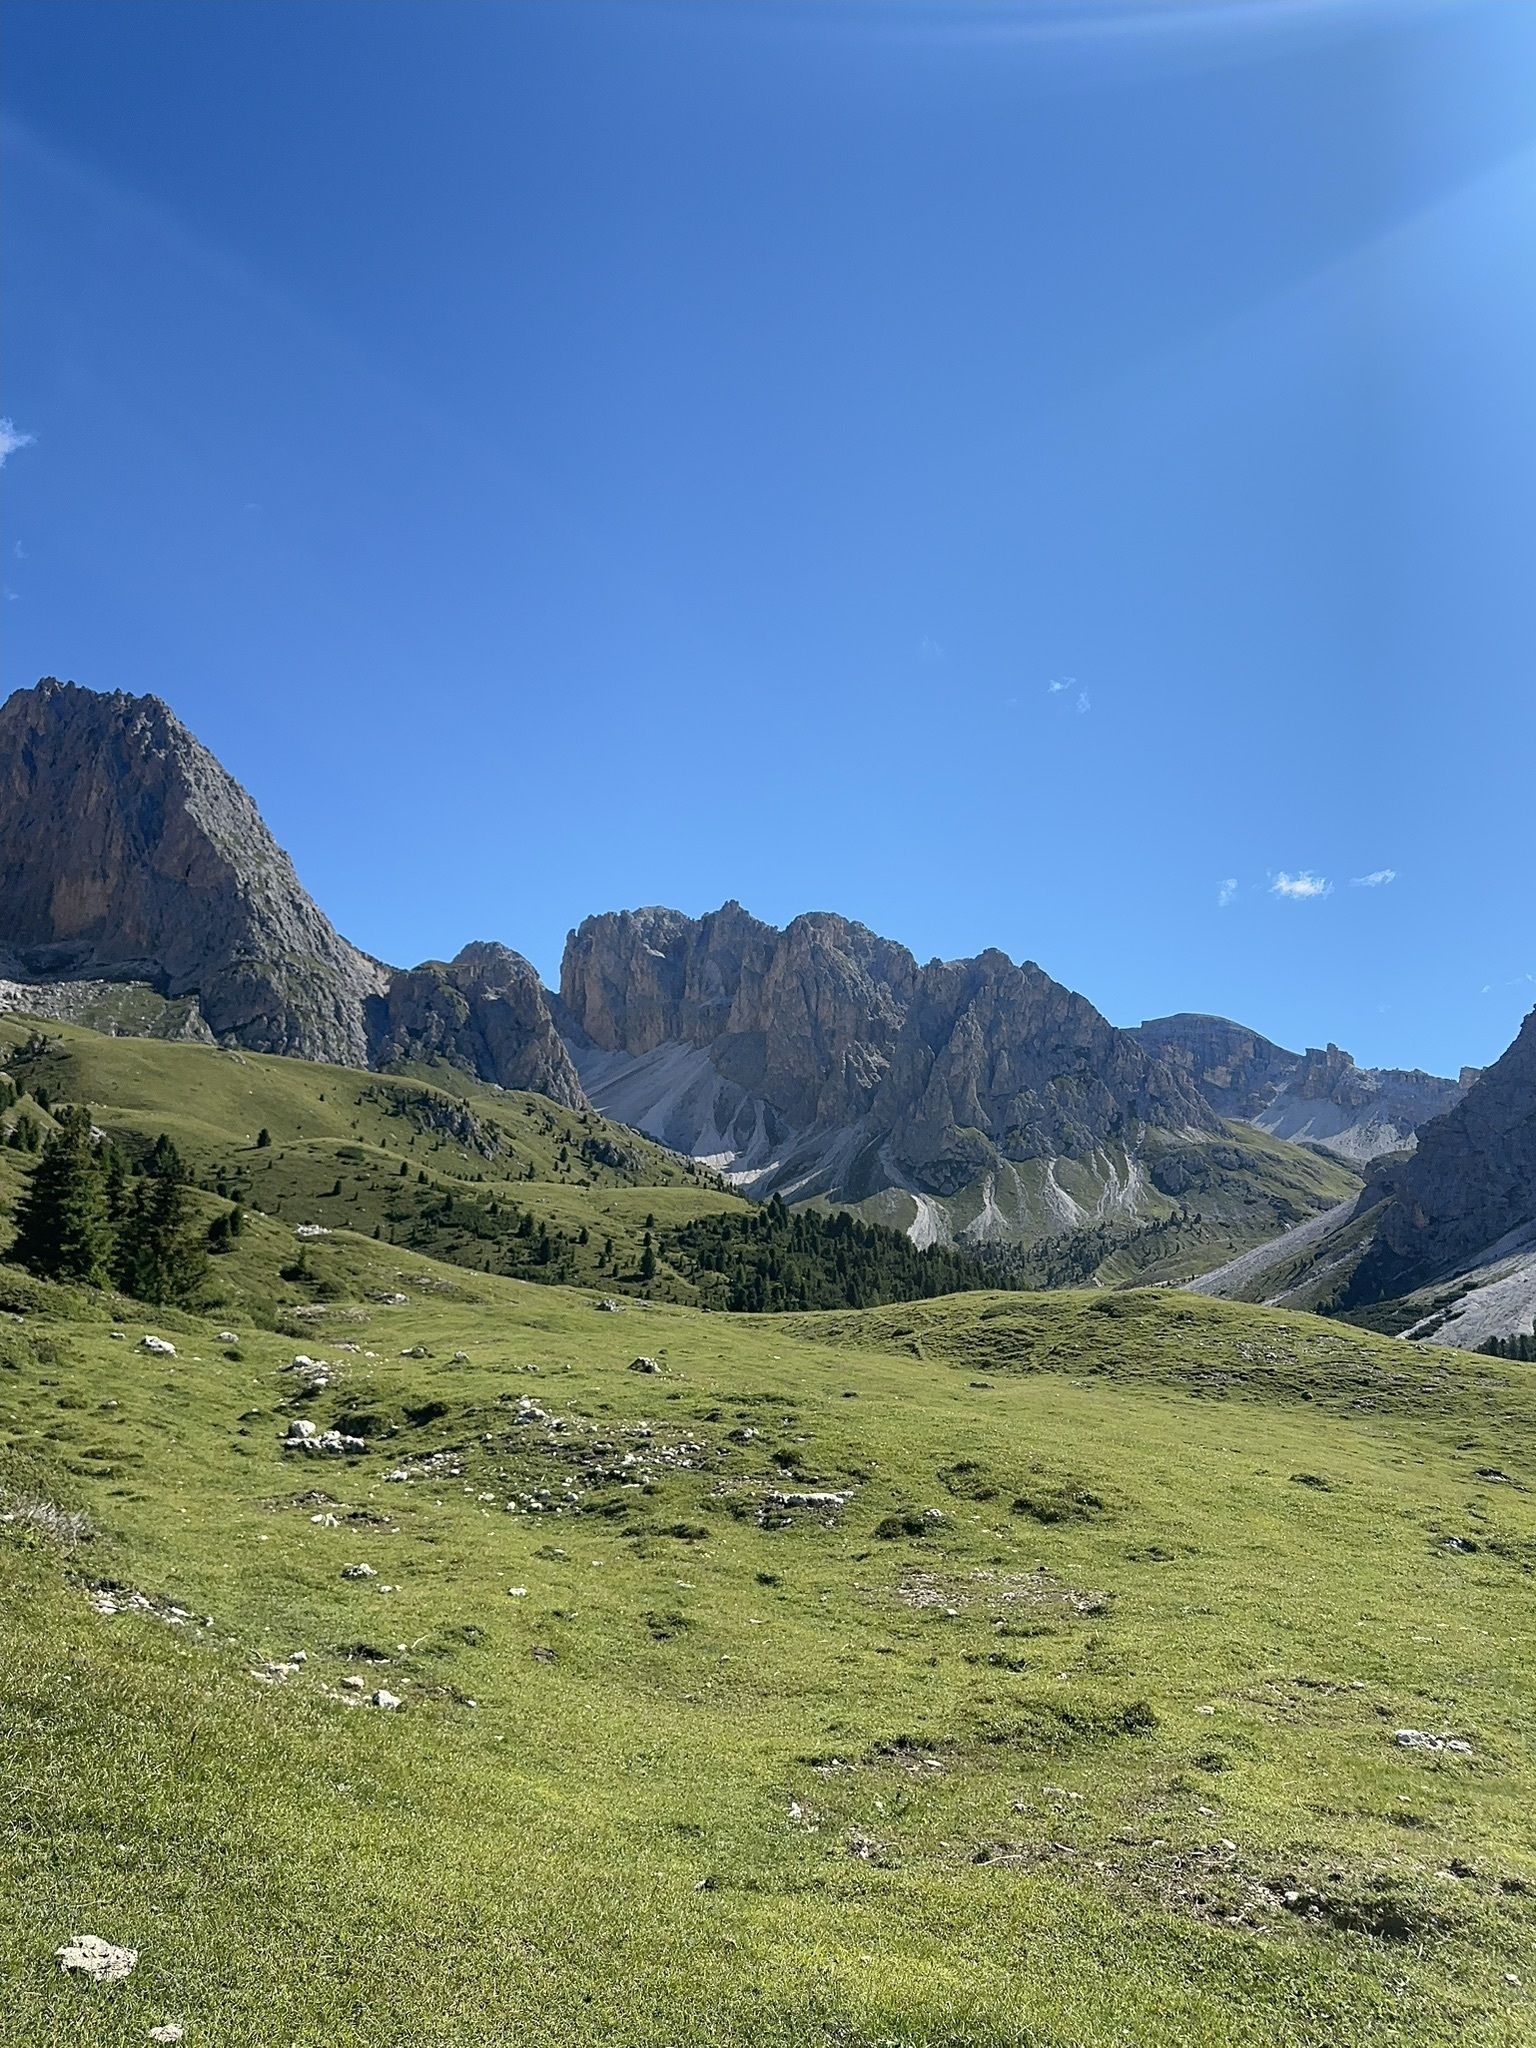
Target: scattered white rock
x=352, y=1684
x=459, y=1358
x=612, y=1308
x=302, y=1435
x=167, y=2033
x=389, y=1701
x=225, y=1337
x=358, y=1571
x=1419, y=1738
x=160, y=1346
x=311, y=1230
x=110, y=1599
x=644, y=1365
x=99, y=1960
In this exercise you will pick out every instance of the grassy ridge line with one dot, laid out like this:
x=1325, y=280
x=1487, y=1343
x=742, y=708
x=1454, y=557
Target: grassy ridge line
x=1142, y=1626
x=1202, y=1347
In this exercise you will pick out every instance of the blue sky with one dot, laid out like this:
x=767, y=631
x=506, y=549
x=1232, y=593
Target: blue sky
x=1054, y=477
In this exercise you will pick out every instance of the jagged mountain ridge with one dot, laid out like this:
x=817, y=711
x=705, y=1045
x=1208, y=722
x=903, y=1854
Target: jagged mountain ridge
x=1317, y=1097
x=128, y=854
x=974, y=1099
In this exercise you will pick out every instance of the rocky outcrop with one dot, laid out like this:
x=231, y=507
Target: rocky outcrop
x=484, y=1010
x=130, y=860
x=1003, y=1052
x=804, y=1018
x=1319, y=1097
x=1237, y=1070
x=1440, y=1245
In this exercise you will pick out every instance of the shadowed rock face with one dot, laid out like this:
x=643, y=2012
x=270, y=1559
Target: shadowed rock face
x=1319, y=1096
x=128, y=854
x=942, y=1067
x=1471, y=1182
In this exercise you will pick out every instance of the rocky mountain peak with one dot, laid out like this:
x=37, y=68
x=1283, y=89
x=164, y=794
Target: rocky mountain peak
x=827, y=1060
x=1470, y=1184
x=128, y=854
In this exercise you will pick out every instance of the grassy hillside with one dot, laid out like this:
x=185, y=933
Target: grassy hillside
x=1064, y=1716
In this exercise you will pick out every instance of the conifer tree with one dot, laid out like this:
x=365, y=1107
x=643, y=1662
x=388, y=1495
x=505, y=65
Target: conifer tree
x=63, y=1231
x=158, y=1258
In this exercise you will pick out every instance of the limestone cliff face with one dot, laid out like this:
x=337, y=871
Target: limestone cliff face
x=128, y=855
x=1319, y=1096
x=1004, y=1052
x=1470, y=1183
x=1235, y=1069
x=127, y=852
x=804, y=1018
x=941, y=1069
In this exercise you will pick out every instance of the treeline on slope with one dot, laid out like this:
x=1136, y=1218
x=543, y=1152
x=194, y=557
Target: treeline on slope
x=747, y=1259
x=1521, y=1349
x=774, y=1257
x=97, y=1214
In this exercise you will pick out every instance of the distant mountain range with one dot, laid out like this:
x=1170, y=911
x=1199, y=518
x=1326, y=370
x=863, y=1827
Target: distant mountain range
x=1315, y=1097
x=973, y=1100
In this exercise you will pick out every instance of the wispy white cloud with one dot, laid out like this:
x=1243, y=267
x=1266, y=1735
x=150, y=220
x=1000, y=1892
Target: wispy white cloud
x=1082, y=701
x=11, y=439
x=1059, y=683
x=1225, y=892
x=1300, y=887
x=928, y=649
x=1378, y=878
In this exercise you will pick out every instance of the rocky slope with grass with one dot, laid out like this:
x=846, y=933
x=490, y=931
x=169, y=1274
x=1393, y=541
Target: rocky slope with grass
x=1441, y=1242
